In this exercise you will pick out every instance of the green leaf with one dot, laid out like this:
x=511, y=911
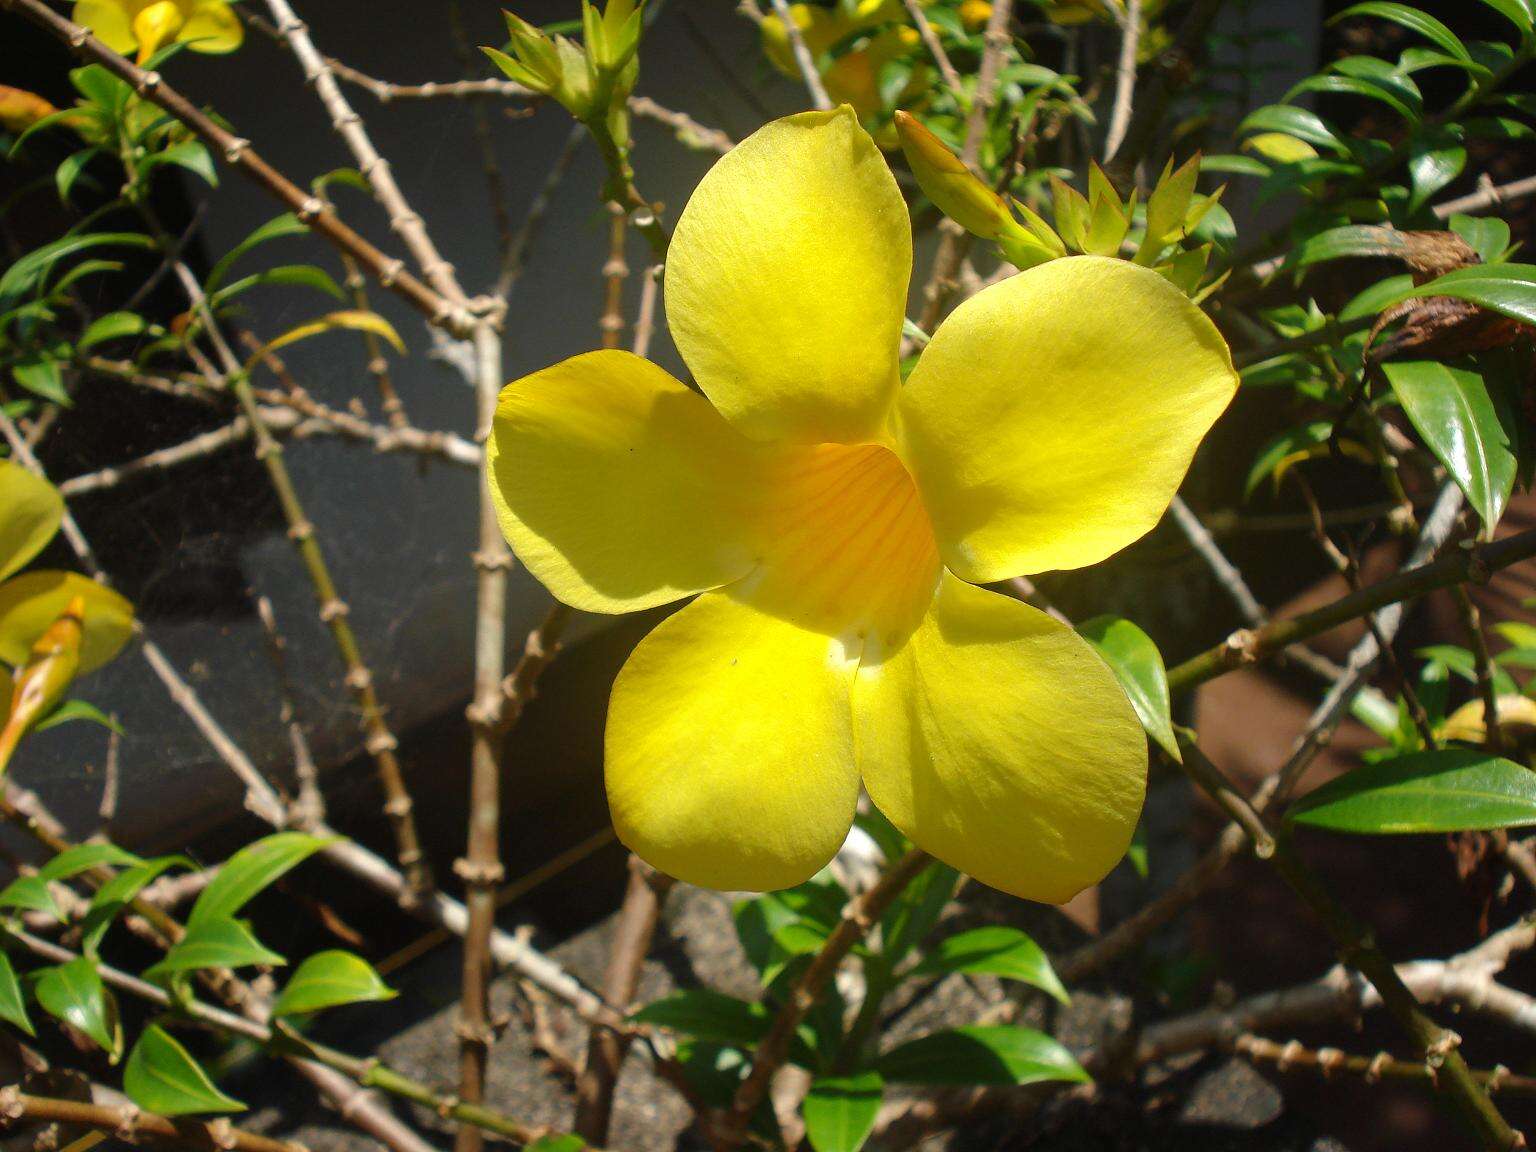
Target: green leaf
x=557, y=1142
x=1488, y=236
x=980, y=1055
x=84, y=857
x=1347, y=241
x=840, y=1111
x=1509, y=289
x=214, y=944
x=42, y=376
x=914, y=913
x=708, y=1015
x=279, y=226
x=250, y=870
x=113, y=896
x=1450, y=790
x=72, y=710
x=29, y=271
x=1457, y=418
x=112, y=326
x=1520, y=13
x=1293, y=121
x=13, y=1006
x=161, y=1076
x=74, y=993
x=1412, y=19
x=1392, y=95
x=328, y=979
x=995, y=950
x=30, y=893
x=70, y=169
x=1138, y=665
x=1434, y=160
x=288, y=275
x=188, y=154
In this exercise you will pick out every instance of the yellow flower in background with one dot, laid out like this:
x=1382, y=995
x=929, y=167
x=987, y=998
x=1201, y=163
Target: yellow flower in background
x=20, y=109
x=149, y=25
x=853, y=77
x=833, y=524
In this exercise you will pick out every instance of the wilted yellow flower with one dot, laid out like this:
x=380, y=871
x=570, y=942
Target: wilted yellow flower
x=149, y=25
x=833, y=524
x=20, y=109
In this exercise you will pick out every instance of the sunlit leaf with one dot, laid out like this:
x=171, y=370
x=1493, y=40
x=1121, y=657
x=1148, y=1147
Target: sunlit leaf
x=1138, y=665
x=250, y=870
x=840, y=1111
x=31, y=510
x=329, y=979
x=74, y=993
x=1448, y=790
x=214, y=944
x=980, y=1055
x=994, y=950
x=160, y=1076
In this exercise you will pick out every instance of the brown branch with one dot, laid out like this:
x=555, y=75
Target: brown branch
x=935, y=47
x=687, y=130
x=309, y=806
x=615, y=272
x=1357, y=948
x=440, y=310
x=859, y=916
x=1328, y=1063
x=480, y=868
x=1226, y=573
x=1472, y=626
x=632, y=934
x=803, y=58
x=131, y=1125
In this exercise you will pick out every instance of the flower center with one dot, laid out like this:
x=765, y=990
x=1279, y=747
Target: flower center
x=849, y=549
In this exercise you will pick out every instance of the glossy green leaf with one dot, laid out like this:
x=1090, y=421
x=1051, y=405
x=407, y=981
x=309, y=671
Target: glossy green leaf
x=31, y=510
x=1520, y=13
x=708, y=1015
x=557, y=1142
x=1488, y=236
x=70, y=169
x=1393, y=96
x=76, y=710
x=1346, y=241
x=84, y=857
x=28, y=272
x=1449, y=790
x=112, y=326
x=29, y=603
x=160, y=1076
x=840, y=1111
x=250, y=870
x=13, y=1005
x=113, y=896
x=1434, y=160
x=1138, y=665
x=285, y=275
x=1452, y=410
x=214, y=944
x=279, y=226
x=1292, y=121
x=980, y=1055
x=913, y=914
x=42, y=376
x=995, y=950
x=190, y=155
x=1414, y=19
x=74, y=993
x=1509, y=289
x=30, y=894
x=329, y=979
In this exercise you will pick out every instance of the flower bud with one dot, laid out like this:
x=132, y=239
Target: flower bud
x=155, y=26
x=954, y=189
x=42, y=682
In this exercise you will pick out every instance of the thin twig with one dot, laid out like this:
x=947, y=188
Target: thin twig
x=1125, y=79
x=935, y=46
x=1226, y=573
x=440, y=310
x=132, y=1125
x=860, y=915
x=645, y=315
x=632, y=933
x=1472, y=626
x=309, y=806
x=615, y=272
x=803, y=58
x=1330, y=1063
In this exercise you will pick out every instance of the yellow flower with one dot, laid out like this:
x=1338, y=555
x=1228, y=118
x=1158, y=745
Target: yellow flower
x=834, y=522
x=149, y=25
x=20, y=109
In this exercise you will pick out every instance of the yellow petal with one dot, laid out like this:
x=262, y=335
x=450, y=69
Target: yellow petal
x=1053, y=416
x=787, y=278
x=32, y=602
x=30, y=512
x=729, y=750
x=109, y=20
x=618, y=487
x=155, y=26
x=213, y=27
x=998, y=741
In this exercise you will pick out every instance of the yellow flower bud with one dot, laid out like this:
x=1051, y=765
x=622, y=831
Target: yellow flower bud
x=42, y=682
x=156, y=26
x=954, y=189
x=974, y=14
